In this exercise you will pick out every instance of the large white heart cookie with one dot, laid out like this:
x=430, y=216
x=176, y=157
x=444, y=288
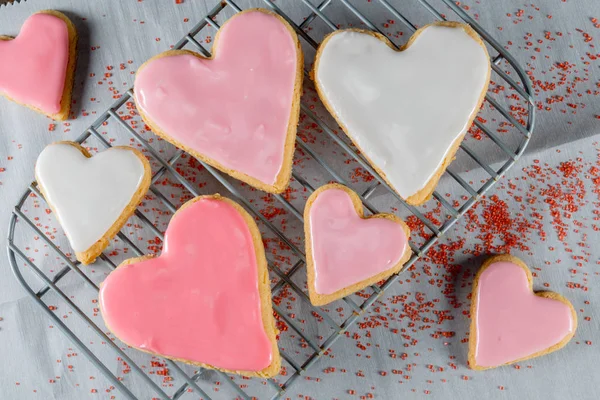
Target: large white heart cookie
x=407, y=110
x=92, y=197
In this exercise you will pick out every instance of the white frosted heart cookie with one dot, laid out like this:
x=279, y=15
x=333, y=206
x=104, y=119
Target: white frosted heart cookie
x=92, y=197
x=407, y=111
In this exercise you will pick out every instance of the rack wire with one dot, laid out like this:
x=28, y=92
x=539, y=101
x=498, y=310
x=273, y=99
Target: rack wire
x=311, y=343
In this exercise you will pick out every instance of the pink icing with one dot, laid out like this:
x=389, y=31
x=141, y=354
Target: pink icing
x=199, y=300
x=234, y=108
x=346, y=248
x=512, y=322
x=33, y=66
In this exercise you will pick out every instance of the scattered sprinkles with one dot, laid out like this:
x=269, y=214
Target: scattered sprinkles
x=414, y=338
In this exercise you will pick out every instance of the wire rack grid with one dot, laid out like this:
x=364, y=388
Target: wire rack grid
x=315, y=346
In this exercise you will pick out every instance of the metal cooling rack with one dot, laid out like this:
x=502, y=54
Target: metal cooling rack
x=510, y=144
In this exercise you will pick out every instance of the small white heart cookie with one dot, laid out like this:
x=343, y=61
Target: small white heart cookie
x=92, y=197
x=407, y=111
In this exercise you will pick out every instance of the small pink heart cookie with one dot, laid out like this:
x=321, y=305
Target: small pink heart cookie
x=206, y=300
x=345, y=251
x=511, y=323
x=237, y=111
x=38, y=66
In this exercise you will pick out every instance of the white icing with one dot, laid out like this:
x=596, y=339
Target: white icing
x=404, y=109
x=88, y=194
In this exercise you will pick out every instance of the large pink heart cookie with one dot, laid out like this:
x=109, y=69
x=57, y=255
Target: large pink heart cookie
x=236, y=111
x=346, y=252
x=511, y=323
x=206, y=299
x=37, y=67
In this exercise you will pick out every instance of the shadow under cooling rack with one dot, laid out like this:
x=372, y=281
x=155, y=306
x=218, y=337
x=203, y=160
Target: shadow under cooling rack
x=307, y=332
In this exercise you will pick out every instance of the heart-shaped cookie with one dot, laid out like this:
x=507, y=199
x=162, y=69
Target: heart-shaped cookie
x=345, y=251
x=407, y=111
x=92, y=197
x=37, y=67
x=236, y=111
x=206, y=299
x=511, y=323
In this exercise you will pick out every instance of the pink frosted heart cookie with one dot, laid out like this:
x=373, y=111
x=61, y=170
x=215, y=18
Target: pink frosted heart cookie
x=38, y=66
x=236, y=111
x=345, y=251
x=511, y=323
x=206, y=299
